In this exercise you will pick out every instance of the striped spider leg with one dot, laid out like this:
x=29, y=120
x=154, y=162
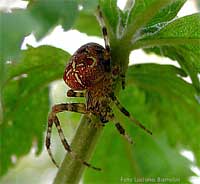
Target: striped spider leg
x=127, y=114
x=89, y=70
x=115, y=72
x=119, y=127
x=53, y=119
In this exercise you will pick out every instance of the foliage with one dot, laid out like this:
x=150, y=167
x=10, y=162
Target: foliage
x=160, y=97
x=25, y=100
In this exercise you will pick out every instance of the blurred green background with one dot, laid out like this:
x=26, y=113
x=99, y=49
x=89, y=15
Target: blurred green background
x=161, y=96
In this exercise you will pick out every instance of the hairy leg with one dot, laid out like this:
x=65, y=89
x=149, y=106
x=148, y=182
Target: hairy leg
x=72, y=93
x=126, y=113
x=107, y=58
x=116, y=73
x=74, y=107
x=111, y=117
x=123, y=132
x=103, y=28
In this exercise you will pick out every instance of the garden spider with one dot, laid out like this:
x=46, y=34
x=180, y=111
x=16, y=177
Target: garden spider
x=89, y=75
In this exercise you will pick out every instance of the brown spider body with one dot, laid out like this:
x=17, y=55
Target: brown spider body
x=98, y=100
x=89, y=75
x=87, y=70
x=86, y=67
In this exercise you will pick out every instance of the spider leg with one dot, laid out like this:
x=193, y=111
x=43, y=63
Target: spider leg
x=111, y=117
x=104, y=30
x=123, y=80
x=123, y=132
x=116, y=73
x=72, y=93
x=106, y=58
x=74, y=107
x=106, y=40
x=48, y=141
x=126, y=113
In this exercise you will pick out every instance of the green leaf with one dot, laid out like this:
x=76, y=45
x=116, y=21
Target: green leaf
x=154, y=89
x=50, y=13
x=88, y=24
x=142, y=13
x=179, y=40
x=164, y=14
x=14, y=27
x=40, y=18
x=163, y=17
x=167, y=13
x=166, y=90
x=181, y=31
x=86, y=21
x=25, y=100
x=89, y=5
x=120, y=161
x=111, y=15
x=188, y=60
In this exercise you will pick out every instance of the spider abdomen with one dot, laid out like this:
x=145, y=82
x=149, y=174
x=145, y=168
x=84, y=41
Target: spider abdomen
x=85, y=67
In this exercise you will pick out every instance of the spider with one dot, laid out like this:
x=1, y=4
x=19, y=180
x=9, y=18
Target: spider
x=89, y=74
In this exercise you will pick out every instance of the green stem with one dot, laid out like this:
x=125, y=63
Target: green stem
x=83, y=145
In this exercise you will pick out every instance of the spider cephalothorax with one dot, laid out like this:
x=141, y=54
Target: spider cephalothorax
x=89, y=74
x=86, y=67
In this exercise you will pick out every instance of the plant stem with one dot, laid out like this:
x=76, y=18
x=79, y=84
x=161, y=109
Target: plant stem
x=83, y=145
